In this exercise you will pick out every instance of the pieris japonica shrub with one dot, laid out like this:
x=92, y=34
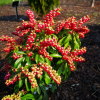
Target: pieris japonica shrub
x=42, y=7
x=43, y=55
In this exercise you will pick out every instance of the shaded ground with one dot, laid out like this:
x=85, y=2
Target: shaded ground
x=84, y=84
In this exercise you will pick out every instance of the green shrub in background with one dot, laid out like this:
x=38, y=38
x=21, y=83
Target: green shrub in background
x=42, y=7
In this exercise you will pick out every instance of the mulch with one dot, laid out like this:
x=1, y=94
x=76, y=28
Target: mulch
x=84, y=83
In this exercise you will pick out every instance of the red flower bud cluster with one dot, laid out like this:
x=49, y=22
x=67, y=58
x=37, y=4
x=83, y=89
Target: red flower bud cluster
x=30, y=54
x=43, y=46
x=72, y=24
x=72, y=56
x=59, y=27
x=11, y=81
x=7, y=76
x=50, y=16
x=52, y=73
x=10, y=44
x=16, y=56
x=30, y=75
x=13, y=96
x=30, y=40
x=49, y=30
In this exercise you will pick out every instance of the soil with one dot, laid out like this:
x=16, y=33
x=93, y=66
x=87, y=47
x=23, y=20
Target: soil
x=84, y=83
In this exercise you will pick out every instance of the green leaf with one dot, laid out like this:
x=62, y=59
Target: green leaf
x=47, y=79
x=48, y=61
x=23, y=98
x=16, y=88
x=28, y=96
x=37, y=58
x=18, y=61
x=66, y=45
x=53, y=88
x=59, y=61
x=42, y=85
x=28, y=60
x=40, y=98
x=68, y=38
x=20, y=83
x=76, y=45
x=78, y=39
x=38, y=90
x=27, y=84
x=41, y=59
x=60, y=70
x=56, y=55
x=66, y=71
x=19, y=66
x=61, y=41
x=20, y=52
x=33, y=89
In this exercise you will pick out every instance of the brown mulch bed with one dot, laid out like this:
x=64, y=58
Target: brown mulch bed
x=83, y=84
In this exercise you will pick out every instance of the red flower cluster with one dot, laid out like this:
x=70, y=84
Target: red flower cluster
x=13, y=96
x=43, y=46
x=72, y=24
x=59, y=27
x=66, y=53
x=10, y=44
x=52, y=73
x=30, y=75
x=11, y=81
x=72, y=56
x=16, y=56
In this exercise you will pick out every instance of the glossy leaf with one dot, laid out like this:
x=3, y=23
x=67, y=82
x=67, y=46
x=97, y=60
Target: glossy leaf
x=20, y=52
x=18, y=61
x=47, y=79
x=76, y=45
x=61, y=41
x=38, y=90
x=66, y=45
x=60, y=70
x=28, y=96
x=20, y=83
x=68, y=38
x=27, y=84
x=59, y=61
x=28, y=60
x=56, y=55
x=41, y=59
x=78, y=39
x=37, y=58
x=48, y=61
x=19, y=66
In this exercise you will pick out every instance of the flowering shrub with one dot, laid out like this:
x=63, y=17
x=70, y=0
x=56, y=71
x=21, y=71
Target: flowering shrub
x=43, y=54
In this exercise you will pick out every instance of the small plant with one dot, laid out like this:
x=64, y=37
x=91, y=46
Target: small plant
x=44, y=53
x=42, y=7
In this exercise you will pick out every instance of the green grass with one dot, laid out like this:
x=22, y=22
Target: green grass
x=4, y=2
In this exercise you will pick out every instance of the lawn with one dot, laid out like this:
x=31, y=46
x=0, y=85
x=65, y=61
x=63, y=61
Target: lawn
x=3, y=2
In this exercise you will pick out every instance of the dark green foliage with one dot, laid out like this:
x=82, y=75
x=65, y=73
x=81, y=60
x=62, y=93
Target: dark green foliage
x=42, y=7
